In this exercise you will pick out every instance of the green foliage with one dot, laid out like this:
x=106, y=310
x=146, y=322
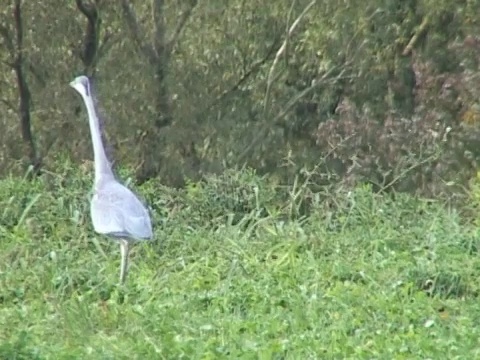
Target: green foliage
x=370, y=275
x=250, y=83
x=18, y=349
x=474, y=199
x=232, y=195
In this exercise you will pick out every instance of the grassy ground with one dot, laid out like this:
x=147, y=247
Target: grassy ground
x=364, y=278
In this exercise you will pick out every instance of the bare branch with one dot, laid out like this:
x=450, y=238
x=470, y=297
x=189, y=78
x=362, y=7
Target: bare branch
x=271, y=77
x=287, y=39
x=93, y=47
x=180, y=25
x=291, y=103
x=17, y=13
x=277, y=119
x=86, y=8
x=89, y=54
x=36, y=72
x=136, y=32
x=248, y=72
x=413, y=41
x=24, y=91
x=107, y=42
x=159, y=43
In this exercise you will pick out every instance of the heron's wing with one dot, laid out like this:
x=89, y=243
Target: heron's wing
x=117, y=211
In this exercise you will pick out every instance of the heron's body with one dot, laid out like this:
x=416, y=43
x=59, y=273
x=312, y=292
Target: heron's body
x=114, y=209
x=117, y=212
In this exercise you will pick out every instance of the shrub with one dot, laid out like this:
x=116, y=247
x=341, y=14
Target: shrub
x=233, y=194
x=435, y=151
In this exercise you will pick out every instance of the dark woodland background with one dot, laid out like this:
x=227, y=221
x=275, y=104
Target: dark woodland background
x=384, y=92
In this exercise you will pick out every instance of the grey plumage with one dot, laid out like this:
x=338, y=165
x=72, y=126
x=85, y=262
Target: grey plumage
x=114, y=209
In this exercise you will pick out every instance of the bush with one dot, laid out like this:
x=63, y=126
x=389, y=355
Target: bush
x=425, y=154
x=232, y=195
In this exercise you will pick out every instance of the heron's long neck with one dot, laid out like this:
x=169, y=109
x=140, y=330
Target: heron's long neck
x=102, y=166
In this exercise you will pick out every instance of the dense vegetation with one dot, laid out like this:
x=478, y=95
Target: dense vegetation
x=385, y=93
x=303, y=161
x=363, y=276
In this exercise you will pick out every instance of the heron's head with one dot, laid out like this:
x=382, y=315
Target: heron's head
x=82, y=85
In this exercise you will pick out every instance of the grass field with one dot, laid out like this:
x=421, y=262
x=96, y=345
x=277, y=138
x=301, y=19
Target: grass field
x=366, y=277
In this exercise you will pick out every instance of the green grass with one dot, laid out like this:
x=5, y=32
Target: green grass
x=365, y=278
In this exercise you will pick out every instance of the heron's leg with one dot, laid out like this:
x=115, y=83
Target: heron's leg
x=124, y=249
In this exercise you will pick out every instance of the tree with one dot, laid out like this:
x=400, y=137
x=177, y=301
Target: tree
x=158, y=53
x=13, y=38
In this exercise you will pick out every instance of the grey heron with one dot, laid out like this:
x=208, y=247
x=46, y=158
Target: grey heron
x=115, y=210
